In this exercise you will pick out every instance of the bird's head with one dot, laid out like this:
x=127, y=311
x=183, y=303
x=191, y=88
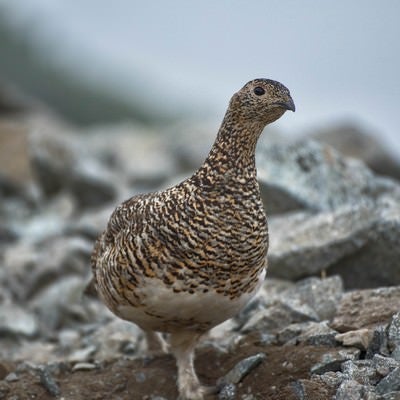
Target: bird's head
x=262, y=100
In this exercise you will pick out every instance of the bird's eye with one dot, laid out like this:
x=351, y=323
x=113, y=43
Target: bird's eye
x=259, y=91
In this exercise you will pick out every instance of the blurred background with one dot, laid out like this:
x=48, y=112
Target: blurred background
x=103, y=100
x=161, y=61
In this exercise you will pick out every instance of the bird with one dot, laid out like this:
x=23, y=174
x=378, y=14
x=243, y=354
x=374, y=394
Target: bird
x=180, y=261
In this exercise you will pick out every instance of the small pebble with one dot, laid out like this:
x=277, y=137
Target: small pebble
x=82, y=366
x=12, y=377
x=228, y=392
x=140, y=376
x=48, y=382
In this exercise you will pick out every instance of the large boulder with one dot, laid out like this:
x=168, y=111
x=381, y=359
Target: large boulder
x=359, y=242
x=305, y=174
x=352, y=141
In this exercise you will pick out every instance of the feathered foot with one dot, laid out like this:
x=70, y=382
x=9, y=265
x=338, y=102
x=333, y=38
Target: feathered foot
x=156, y=343
x=182, y=346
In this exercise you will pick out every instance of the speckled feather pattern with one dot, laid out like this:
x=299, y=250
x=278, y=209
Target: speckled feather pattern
x=189, y=257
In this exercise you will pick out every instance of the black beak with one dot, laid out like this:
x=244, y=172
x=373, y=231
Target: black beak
x=287, y=105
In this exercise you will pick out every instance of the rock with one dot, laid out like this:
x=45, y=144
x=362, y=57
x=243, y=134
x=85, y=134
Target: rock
x=111, y=339
x=394, y=332
x=291, y=332
x=366, y=308
x=396, y=353
x=332, y=360
x=331, y=379
x=353, y=142
x=82, y=355
x=138, y=153
x=390, y=383
x=83, y=366
x=278, y=315
x=48, y=382
x=390, y=396
x=311, y=333
x=241, y=369
x=318, y=334
x=362, y=371
x=384, y=365
x=60, y=164
x=45, y=263
x=378, y=344
x=360, y=338
x=228, y=392
x=15, y=321
x=322, y=295
x=305, y=174
x=352, y=390
x=357, y=242
x=65, y=298
x=11, y=377
x=306, y=389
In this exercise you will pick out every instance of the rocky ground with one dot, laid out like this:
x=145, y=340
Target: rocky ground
x=326, y=324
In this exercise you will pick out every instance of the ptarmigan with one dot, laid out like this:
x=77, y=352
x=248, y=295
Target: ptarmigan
x=186, y=259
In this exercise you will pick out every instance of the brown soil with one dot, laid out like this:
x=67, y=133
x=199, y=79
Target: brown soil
x=125, y=379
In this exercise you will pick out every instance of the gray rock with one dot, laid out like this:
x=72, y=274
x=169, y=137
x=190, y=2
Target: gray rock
x=305, y=174
x=241, y=369
x=310, y=333
x=318, y=334
x=353, y=142
x=390, y=383
x=396, y=353
x=357, y=242
x=352, y=390
x=378, y=344
x=281, y=304
x=322, y=295
x=60, y=163
x=15, y=321
x=228, y=392
x=291, y=332
x=60, y=304
x=332, y=360
x=331, y=379
x=48, y=382
x=138, y=153
x=384, y=365
x=390, y=396
x=279, y=315
x=298, y=390
x=394, y=332
x=11, y=377
x=111, y=339
x=44, y=263
x=362, y=371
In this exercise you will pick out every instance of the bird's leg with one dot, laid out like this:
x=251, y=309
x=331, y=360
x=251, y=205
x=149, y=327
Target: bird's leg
x=156, y=342
x=182, y=346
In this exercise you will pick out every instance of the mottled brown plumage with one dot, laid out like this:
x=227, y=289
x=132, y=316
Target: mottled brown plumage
x=185, y=259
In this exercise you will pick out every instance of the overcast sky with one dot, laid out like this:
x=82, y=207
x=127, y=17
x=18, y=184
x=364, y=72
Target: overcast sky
x=341, y=59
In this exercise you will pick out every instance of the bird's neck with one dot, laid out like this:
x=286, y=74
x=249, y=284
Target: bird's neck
x=233, y=152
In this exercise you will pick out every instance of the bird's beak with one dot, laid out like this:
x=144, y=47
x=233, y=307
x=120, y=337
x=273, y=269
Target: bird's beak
x=287, y=105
